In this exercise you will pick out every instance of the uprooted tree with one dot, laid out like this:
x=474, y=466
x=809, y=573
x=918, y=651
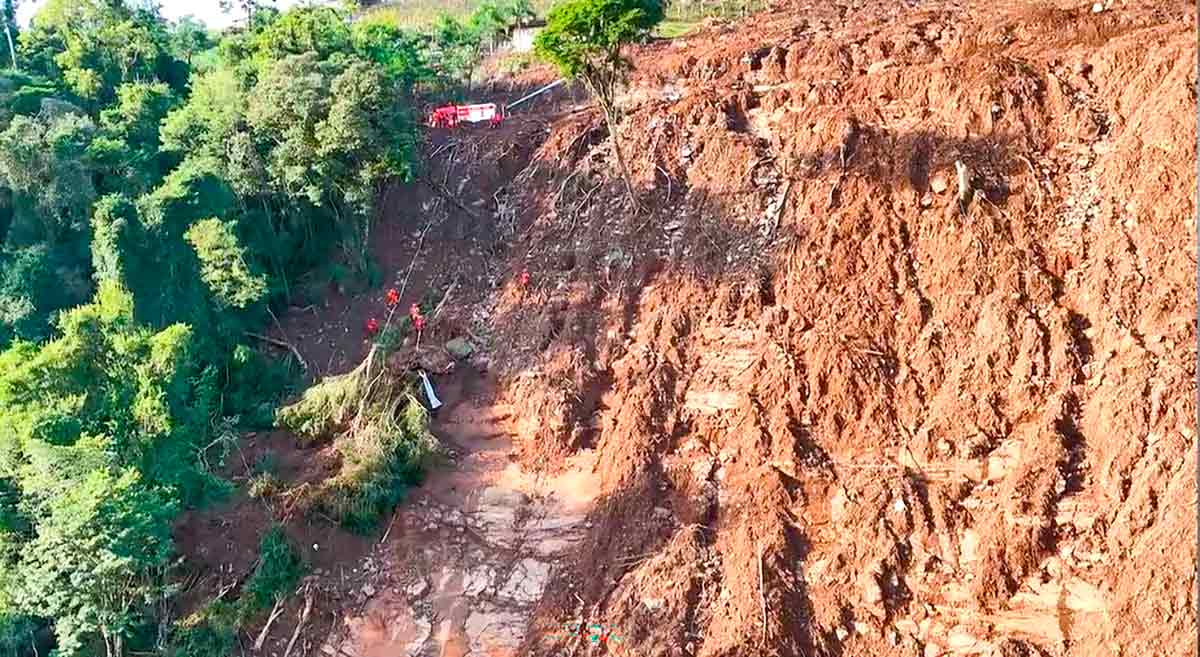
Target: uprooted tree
x=583, y=38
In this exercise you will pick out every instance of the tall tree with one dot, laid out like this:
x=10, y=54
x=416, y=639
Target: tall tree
x=188, y=37
x=44, y=159
x=583, y=38
x=9, y=11
x=247, y=7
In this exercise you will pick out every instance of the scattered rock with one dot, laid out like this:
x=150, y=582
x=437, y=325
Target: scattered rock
x=871, y=592
x=498, y=496
x=478, y=580
x=837, y=505
x=879, y=66
x=527, y=581
x=939, y=183
x=368, y=590
x=494, y=632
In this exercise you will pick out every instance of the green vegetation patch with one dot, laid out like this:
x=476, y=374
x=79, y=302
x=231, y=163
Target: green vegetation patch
x=212, y=630
x=381, y=433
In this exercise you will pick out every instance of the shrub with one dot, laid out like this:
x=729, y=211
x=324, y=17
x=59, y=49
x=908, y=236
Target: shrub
x=264, y=486
x=380, y=462
x=278, y=571
x=383, y=439
x=255, y=384
x=210, y=632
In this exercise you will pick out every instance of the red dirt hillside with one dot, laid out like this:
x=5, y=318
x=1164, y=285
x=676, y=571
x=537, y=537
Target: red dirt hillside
x=833, y=414
x=806, y=403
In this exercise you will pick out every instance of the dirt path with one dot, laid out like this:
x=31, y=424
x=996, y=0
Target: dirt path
x=469, y=554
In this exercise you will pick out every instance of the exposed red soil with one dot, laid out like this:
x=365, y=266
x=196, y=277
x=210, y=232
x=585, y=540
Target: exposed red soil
x=829, y=412
x=884, y=426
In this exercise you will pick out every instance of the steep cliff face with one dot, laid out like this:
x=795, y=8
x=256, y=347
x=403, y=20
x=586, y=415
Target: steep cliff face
x=839, y=404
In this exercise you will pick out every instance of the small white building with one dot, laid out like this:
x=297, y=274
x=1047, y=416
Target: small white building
x=521, y=39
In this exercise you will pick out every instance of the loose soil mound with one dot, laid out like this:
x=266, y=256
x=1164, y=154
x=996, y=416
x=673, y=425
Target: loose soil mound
x=835, y=411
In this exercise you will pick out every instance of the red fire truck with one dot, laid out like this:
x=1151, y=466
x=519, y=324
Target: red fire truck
x=449, y=116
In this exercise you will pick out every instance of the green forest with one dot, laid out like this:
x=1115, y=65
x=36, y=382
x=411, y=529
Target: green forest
x=164, y=192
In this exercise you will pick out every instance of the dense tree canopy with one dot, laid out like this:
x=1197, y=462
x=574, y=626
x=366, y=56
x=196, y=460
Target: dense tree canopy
x=100, y=426
x=161, y=189
x=150, y=215
x=93, y=46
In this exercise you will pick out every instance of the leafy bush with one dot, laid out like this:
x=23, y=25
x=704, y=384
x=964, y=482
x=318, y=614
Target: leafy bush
x=325, y=407
x=223, y=266
x=382, y=437
x=209, y=632
x=264, y=486
x=44, y=160
x=278, y=571
x=35, y=283
x=455, y=38
x=255, y=384
x=212, y=630
x=381, y=460
x=516, y=62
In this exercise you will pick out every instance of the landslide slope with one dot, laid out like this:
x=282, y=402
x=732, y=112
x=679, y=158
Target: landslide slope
x=833, y=412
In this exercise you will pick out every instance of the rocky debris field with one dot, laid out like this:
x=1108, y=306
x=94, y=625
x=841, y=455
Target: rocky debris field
x=468, y=557
x=905, y=340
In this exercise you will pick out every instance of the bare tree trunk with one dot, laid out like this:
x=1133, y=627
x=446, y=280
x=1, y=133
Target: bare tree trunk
x=602, y=91
x=612, y=133
x=12, y=51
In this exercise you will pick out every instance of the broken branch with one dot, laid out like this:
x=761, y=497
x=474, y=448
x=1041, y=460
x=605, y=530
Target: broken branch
x=762, y=596
x=445, y=297
x=308, y=602
x=282, y=344
x=275, y=612
x=445, y=193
